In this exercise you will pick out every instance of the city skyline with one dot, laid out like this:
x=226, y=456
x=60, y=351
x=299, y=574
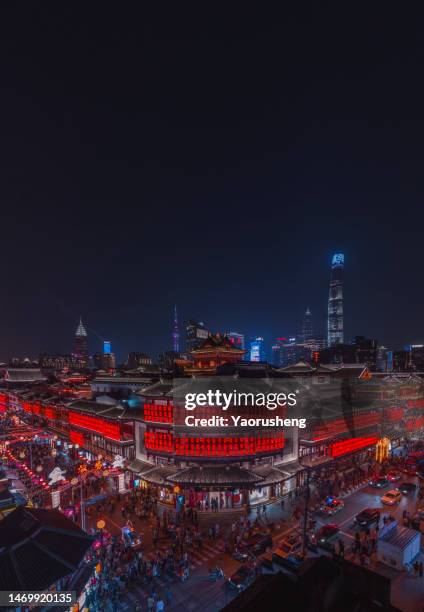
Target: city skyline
x=177, y=330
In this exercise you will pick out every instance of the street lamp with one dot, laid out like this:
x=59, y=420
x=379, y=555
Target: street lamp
x=101, y=525
x=74, y=481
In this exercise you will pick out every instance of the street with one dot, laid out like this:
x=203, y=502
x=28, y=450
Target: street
x=197, y=592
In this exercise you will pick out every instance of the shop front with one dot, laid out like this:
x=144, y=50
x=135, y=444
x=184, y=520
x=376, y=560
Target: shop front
x=214, y=499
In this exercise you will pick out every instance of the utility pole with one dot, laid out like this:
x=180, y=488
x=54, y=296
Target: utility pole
x=74, y=482
x=82, y=508
x=305, y=517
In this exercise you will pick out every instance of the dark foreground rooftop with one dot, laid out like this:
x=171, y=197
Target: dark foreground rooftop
x=323, y=584
x=37, y=548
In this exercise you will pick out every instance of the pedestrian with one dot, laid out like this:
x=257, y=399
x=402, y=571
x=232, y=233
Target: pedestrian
x=168, y=594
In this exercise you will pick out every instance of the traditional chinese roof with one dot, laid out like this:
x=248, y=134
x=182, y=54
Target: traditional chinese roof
x=139, y=467
x=216, y=342
x=219, y=475
x=23, y=375
x=299, y=368
x=246, y=369
x=159, y=474
x=106, y=410
x=159, y=389
x=269, y=474
x=30, y=558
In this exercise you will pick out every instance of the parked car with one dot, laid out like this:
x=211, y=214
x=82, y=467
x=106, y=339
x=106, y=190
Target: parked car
x=394, y=476
x=287, y=549
x=326, y=534
x=241, y=579
x=331, y=506
x=367, y=517
x=392, y=497
x=407, y=488
x=259, y=543
x=379, y=482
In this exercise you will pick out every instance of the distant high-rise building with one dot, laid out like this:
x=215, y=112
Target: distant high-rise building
x=292, y=351
x=257, y=350
x=362, y=350
x=276, y=354
x=61, y=363
x=335, y=301
x=276, y=351
x=108, y=362
x=175, y=333
x=317, y=342
x=382, y=359
x=138, y=360
x=416, y=361
x=107, y=347
x=307, y=329
x=81, y=343
x=195, y=334
x=167, y=360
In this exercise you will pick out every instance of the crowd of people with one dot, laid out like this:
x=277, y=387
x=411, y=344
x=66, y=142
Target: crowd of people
x=119, y=565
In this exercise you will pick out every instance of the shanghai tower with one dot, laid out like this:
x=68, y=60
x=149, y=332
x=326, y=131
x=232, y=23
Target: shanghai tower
x=335, y=301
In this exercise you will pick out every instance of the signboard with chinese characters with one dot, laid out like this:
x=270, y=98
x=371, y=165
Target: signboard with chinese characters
x=55, y=499
x=121, y=483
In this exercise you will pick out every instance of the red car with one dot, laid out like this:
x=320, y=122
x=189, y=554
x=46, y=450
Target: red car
x=393, y=475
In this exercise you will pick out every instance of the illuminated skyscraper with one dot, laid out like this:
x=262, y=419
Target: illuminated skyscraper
x=276, y=354
x=257, y=352
x=335, y=301
x=196, y=334
x=175, y=333
x=307, y=331
x=81, y=344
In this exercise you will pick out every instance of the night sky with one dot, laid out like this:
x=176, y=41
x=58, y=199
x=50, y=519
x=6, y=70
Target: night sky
x=212, y=160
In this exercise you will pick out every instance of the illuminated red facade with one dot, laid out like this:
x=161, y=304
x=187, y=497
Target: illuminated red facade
x=228, y=446
x=3, y=402
x=338, y=426
x=351, y=445
x=158, y=413
x=96, y=424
